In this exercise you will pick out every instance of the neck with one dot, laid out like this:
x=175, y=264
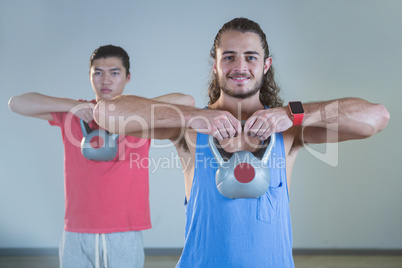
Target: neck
x=242, y=109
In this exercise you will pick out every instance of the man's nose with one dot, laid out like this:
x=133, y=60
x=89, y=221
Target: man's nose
x=107, y=79
x=240, y=65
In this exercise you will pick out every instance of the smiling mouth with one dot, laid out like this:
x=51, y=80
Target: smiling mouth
x=240, y=79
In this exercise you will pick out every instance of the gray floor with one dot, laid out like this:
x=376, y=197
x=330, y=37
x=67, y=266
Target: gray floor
x=310, y=261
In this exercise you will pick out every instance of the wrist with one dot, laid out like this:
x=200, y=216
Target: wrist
x=296, y=111
x=190, y=115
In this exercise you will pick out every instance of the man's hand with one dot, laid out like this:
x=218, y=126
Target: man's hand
x=220, y=124
x=84, y=110
x=264, y=123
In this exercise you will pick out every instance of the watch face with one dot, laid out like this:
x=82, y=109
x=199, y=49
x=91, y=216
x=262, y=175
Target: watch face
x=296, y=107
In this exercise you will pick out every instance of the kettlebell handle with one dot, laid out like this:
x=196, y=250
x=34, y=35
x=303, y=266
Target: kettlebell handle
x=85, y=128
x=221, y=160
x=268, y=150
x=215, y=151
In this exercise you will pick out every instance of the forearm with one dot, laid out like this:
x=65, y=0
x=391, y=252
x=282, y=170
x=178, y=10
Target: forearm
x=132, y=114
x=351, y=116
x=34, y=104
x=129, y=113
x=177, y=98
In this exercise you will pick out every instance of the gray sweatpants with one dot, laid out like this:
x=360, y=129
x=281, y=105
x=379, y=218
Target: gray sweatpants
x=114, y=250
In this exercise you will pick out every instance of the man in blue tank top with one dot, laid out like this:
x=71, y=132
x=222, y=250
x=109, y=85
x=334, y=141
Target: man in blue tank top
x=244, y=232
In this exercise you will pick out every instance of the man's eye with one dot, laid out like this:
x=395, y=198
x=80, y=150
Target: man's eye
x=115, y=73
x=252, y=58
x=229, y=58
x=98, y=73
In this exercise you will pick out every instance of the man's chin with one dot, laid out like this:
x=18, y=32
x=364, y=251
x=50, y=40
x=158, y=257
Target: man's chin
x=240, y=95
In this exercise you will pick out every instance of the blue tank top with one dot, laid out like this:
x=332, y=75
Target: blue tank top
x=222, y=232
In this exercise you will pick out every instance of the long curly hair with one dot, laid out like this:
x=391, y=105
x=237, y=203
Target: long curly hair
x=269, y=92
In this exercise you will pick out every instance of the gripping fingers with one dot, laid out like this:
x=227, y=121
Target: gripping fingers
x=252, y=126
x=217, y=135
x=226, y=127
x=264, y=131
x=86, y=115
x=234, y=127
x=263, y=135
x=237, y=127
x=259, y=127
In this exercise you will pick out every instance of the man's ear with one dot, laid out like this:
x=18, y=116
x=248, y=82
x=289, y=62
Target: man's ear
x=267, y=64
x=214, y=67
x=128, y=78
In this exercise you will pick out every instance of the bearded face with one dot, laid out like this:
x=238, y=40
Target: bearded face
x=239, y=94
x=240, y=65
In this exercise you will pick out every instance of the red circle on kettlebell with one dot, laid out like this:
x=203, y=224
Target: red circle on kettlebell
x=244, y=172
x=96, y=142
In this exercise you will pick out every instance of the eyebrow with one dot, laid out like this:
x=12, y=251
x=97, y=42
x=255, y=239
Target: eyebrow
x=234, y=52
x=113, y=69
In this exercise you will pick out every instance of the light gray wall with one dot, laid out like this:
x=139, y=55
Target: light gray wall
x=321, y=49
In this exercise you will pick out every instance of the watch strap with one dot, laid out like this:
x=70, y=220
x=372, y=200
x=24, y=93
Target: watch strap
x=297, y=119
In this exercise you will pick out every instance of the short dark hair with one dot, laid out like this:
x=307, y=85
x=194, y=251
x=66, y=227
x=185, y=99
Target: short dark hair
x=269, y=92
x=111, y=51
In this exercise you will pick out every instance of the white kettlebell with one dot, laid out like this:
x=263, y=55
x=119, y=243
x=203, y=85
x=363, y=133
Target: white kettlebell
x=243, y=174
x=98, y=144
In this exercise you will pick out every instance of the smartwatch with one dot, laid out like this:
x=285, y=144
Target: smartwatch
x=297, y=111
